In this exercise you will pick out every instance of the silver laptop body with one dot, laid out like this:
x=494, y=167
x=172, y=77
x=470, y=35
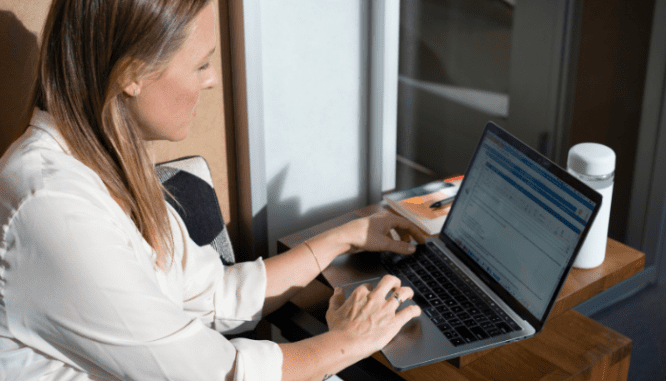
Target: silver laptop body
x=513, y=233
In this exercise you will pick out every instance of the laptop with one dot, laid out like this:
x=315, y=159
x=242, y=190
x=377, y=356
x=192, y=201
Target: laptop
x=493, y=273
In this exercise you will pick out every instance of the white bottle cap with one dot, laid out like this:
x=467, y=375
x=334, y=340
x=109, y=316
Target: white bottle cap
x=591, y=159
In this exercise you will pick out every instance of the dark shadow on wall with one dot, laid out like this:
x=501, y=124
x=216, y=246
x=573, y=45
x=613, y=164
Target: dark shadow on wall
x=18, y=60
x=286, y=214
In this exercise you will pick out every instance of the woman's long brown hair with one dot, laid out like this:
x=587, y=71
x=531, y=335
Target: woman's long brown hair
x=92, y=49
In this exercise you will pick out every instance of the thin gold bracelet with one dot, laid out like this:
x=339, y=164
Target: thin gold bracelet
x=313, y=254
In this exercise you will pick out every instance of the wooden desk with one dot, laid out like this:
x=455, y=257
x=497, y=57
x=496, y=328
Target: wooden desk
x=570, y=347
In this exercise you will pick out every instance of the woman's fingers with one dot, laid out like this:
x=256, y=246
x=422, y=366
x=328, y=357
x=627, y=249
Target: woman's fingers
x=379, y=238
x=388, y=283
x=405, y=228
x=402, y=294
x=337, y=300
x=400, y=247
x=406, y=314
x=369, y=315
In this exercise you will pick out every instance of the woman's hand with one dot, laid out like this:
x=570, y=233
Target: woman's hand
x=289, y=272
x=358, y=327
x=368, y=319
x=374, y=233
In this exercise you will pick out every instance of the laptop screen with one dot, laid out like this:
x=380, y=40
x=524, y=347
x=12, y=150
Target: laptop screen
x=518, y=221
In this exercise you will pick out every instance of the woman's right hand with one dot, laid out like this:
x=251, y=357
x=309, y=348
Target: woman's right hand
x=368, y=318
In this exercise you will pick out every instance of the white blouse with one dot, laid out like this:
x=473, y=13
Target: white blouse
x=81, y=299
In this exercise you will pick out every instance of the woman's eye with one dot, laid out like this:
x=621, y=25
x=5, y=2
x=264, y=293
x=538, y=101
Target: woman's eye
x=204, y=67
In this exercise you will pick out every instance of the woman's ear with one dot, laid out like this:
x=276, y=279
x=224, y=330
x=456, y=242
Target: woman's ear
x=133, y=89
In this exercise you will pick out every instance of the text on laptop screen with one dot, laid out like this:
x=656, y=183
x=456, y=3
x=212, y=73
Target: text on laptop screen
x=520, y=223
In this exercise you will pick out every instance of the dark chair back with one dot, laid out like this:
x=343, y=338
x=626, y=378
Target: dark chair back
x=189, y=181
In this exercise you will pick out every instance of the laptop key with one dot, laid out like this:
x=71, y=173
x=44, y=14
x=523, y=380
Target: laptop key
x=438, y=320
x=463, y=316
x=504, y=327
x=480, y=333
x=464, y=287
x=456, y=309
x=487, y=324
x=451, y=303
x=403, y=266
x=494, y=332
x=442, y=309
x=436, y=302
x=481, y=318
x=456, y=281
x=444, y=327
x=429, y=295
x=450, y=334
x=430, y=311
x=466, y=334
x=457, y=341
x=469, y=322
x=421, y=301
x=448, y=315
x=460, y=298
x=455, y=322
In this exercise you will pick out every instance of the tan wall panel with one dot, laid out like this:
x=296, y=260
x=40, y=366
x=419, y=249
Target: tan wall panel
x=21, y=25
x=211, y=134
x=31, y=13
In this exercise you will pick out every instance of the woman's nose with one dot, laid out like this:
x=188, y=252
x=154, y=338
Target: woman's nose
x=211, y=79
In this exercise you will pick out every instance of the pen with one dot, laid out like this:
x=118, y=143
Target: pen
x=442, y=202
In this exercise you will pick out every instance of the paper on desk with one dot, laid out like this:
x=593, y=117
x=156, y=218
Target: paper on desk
x=417, y=209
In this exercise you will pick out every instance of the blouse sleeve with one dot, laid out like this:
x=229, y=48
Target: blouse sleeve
x=229, y=299
x=77, y=291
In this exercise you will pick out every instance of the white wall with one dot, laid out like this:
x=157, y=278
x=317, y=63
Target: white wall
x=317, y=101
x=314, y=71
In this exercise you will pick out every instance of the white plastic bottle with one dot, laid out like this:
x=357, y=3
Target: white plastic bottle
x=594, y=164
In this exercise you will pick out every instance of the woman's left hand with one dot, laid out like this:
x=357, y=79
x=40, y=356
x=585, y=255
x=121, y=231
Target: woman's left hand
x=374, y=233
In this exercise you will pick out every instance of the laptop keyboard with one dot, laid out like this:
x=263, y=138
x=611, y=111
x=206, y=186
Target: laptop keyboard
x=461, y=311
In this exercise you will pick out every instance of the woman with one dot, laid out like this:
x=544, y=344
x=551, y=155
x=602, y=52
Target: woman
x=98, y=278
